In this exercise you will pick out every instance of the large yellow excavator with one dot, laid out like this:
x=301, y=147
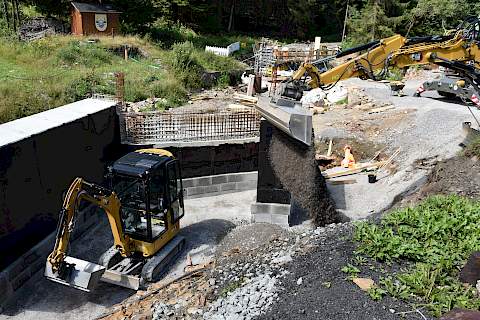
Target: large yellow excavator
x=458, y=48
x=143, y=205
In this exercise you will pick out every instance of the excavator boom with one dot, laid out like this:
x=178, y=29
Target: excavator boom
x=70, y=271
x=461, y=46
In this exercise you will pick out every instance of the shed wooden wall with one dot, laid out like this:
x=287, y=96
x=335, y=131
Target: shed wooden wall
x=76, y=22
x=88, y=22
x=84, y=23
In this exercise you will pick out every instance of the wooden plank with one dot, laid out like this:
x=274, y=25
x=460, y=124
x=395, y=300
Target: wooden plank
x=359, y=168
x=244, y=97
x=342, y=182
x=376, y=110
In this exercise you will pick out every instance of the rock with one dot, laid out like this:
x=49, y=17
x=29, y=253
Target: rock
x=283, y=259
x=299, y=281
x=461, y=314
x=364, y=283
x=471, y=271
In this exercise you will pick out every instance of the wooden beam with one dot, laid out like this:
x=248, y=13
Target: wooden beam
x=359, y=168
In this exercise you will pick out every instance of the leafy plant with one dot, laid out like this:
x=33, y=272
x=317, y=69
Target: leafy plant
x=436, y=237
x=376, y=293
x=350, y=270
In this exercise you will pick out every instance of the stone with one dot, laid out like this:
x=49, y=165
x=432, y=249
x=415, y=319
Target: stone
x=461, y=314
x=299, y=281
x=470, y=273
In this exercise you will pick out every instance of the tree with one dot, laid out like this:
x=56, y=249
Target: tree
x=437, y=16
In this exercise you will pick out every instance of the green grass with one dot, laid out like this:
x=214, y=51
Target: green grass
x=436, y=237
x=58, y=70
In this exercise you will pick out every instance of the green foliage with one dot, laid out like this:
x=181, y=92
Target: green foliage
x=437, y=236
x=186, y=65
x=394, y=74
x=85, y=54
x=437, y=16
x=367, y=24
x=351, y=270
x=376, y=293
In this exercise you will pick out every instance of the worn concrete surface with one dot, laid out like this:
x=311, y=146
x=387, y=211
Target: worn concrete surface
x=433, y=130
x=206, y=222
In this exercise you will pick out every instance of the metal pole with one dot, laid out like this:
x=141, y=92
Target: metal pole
x=345, y=22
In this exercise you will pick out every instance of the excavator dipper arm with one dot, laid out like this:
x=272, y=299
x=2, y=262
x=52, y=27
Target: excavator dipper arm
x=72, y=271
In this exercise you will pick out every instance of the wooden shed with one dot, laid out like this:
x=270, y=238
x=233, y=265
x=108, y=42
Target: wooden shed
x=89, y=19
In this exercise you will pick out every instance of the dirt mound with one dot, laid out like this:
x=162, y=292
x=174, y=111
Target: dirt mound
x=459, y=175
x=295, y=167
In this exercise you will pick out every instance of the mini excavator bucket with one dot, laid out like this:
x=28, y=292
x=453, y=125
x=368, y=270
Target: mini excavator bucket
x=289, y=116
x=76, y=273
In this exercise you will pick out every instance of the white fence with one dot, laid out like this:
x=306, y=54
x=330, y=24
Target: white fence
x=224, y=52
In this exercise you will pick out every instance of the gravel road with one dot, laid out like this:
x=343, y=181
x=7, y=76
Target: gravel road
x=433, y=130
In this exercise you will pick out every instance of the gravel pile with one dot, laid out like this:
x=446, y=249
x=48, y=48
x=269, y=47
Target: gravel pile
x=246, y=302
x=297, y=170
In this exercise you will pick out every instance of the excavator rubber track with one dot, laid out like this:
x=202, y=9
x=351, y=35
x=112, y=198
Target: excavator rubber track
x=133, y=274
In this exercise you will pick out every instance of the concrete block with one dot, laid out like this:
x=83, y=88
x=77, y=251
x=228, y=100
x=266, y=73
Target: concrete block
x=223, y=178
x=212, y=189
x=5, y=288
x=262, y=218
x=281, y=220
x=204, y=181
x=246, y=185
x=243, y=176
x=229, y=186
x=195, y=190
x=31, y=257
x=38, y=265
x=16, y=268
x=20, y=279
x=188, y=183
x=271, y=208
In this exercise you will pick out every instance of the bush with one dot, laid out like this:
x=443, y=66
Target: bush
x=170, y=89
x=185, y=64
x=88, y=55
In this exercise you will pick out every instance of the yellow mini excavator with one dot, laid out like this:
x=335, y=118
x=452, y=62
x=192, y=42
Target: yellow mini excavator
x=459, y=48
x=143, y=204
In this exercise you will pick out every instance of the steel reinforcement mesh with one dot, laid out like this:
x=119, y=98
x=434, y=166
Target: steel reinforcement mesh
x=141, y=128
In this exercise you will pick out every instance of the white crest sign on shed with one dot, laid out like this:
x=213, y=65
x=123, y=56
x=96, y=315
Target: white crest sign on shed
x=101, y=21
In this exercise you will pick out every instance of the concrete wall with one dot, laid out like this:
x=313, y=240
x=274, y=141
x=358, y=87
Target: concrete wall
x=219, y=184
x=35, y=171
x=217, y=159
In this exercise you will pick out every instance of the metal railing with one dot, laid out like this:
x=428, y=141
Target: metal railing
x=173, y=126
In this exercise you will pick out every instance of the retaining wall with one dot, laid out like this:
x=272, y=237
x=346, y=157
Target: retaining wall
x=40, y=156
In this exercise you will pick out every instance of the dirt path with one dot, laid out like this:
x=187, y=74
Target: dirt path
x=424, y=128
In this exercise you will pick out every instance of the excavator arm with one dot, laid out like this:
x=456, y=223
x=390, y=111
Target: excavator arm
x=461, y=46
x=76, y=272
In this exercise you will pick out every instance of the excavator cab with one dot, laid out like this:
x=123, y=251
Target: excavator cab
x=148, y=186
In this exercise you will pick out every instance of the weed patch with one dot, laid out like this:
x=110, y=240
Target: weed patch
x=436, y=237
